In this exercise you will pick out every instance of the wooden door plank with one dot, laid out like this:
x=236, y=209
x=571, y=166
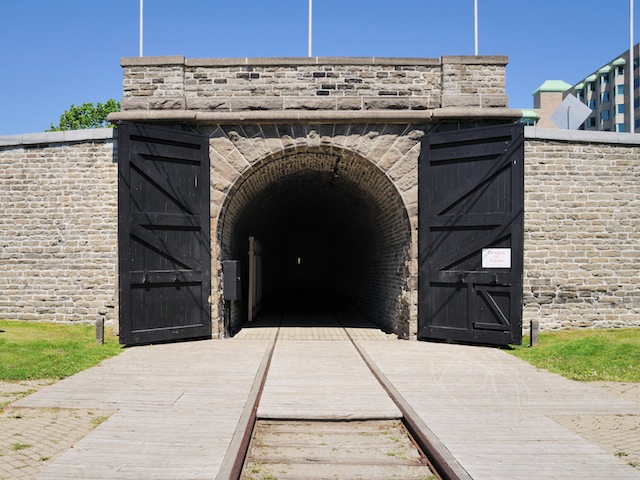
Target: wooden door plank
x=450, y=243
x=160, y=303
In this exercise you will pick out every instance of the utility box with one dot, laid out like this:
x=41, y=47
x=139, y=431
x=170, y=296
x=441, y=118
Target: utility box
x=231, y=282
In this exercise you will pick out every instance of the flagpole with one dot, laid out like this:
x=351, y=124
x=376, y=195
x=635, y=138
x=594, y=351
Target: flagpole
x=475, y=25
x=141, y=24
x=310, y=24
x=632, y=55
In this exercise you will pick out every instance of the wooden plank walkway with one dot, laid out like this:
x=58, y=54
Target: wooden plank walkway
x=493, y=411
x=322, y=380
x=177, y=408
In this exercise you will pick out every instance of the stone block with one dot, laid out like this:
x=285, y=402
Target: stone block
x=309, y=103
x=456, y=100
x=209, y=103
x=134, y=103
x=167, y=103
x=494, y=101
x=256, y=103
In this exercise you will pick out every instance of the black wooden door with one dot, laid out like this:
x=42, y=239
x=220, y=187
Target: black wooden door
x=163, y=234
x=471, y=233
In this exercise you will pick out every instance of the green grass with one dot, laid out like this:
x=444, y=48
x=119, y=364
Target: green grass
x=587, y=355
x=19, y=446
x=31, y=351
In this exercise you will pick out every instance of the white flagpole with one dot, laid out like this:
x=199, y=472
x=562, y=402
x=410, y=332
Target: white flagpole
x=141, y=24
x=632, y=90
x=475, y=25
x=310, y=24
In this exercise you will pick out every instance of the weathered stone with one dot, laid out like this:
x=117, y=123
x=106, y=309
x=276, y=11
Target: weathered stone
x=453, y=100
x=167, y=103
x=208, y=103
x=256, y=103
x=309, y=103
x=413, y=84
x=581, y=197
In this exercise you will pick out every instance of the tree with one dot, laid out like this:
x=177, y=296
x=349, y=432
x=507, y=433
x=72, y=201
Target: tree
x=86, y=115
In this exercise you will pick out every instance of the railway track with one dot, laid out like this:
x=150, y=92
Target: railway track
x=290, y=448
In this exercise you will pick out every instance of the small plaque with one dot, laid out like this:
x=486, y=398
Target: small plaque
x=496, y=258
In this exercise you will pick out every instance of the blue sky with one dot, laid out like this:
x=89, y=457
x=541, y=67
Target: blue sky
x=63, y=52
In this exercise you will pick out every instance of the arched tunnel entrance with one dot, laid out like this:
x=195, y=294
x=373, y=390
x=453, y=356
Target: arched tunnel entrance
x=333, y=231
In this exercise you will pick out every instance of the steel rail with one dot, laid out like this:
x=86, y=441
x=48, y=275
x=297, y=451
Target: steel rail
x=441, y=461
x=231, y=467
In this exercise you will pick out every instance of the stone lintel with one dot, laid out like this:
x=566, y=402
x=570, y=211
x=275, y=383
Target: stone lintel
x=276, y=61
x=313, y=116
x=152, y=61
x=473, y=60
x=65, y=136
x=152, y=116
x=475, y=113
x=581, y=136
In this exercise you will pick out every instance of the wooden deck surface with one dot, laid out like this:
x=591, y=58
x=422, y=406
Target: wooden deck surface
x=177, y=406
x=322, y=380
x=177, y=409
x=494, y=412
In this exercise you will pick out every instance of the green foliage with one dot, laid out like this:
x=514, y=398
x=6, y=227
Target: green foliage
x=30, y=350
x=86, y=115
x=588, y=355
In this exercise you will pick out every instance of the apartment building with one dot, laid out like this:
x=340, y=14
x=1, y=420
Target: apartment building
x=605, y=91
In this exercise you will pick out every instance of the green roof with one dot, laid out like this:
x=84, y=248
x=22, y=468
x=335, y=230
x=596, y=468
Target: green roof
x=605, y=69
x=529, y=114
x=553, y=86
x=591, y=78
x=579, y=86
x=619, y=61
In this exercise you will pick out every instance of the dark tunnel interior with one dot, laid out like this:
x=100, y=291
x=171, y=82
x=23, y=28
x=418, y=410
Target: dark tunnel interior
x=333, y=233
x=312, y=235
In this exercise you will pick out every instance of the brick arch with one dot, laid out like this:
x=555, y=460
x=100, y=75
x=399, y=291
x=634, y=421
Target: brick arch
x=343, y=208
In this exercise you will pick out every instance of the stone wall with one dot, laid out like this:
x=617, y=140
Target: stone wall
x=473, y=82
x=374, y=110
x=377, y=171
x=58, y=227
x=305, y=121
x=582, y=229
x=334, y=84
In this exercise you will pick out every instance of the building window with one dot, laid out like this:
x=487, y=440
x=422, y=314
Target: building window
x=592, y=104
x=636, y=102
x=620, y=70
x=529, y=122
x=620, y=108
x=637, y=123
x=605, y=78
x=605, y=115
x=579, y=95
x=605, y=96
x=620, y=127
x=620, y=89
x=592, y=122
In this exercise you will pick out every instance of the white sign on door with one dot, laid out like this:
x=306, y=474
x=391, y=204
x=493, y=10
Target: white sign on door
x=496, y=258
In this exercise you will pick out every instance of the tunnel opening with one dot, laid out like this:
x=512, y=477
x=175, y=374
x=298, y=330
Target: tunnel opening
x=334, y=234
